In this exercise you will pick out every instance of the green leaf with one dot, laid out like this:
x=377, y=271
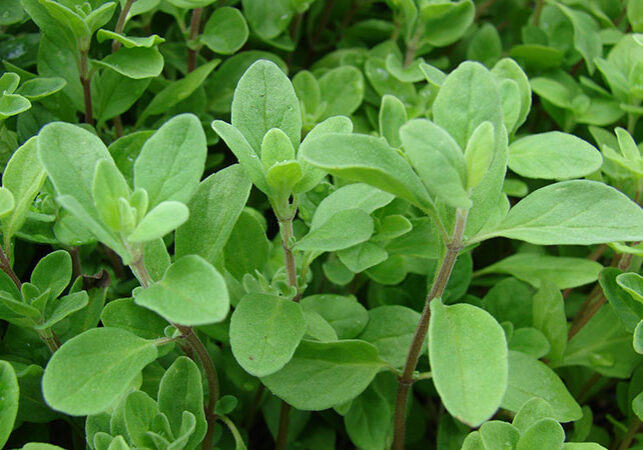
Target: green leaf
x=366, y=159
x=265, y=330
x=268, y=20
x=546, y=433
x=39, y=88
x=637, y=338
x=564, y=272
x=171, y=162
x=129, y=41
x=178, y=90
x=23, y=176
x=90, y=371
x=265, y=99
x=12, y=104
x=100, y=16
x=323, y=374
x=368, y=421
x=192, y=292
x=532, y=411
x=360, y=257
x=161, y=220
x=633, y=283
x=499, y=434
x=181, y=390
x=139, y=413
x=332, y=236
x=282, y=178
x=530, y=341
x=9, y=393
x=53, y=272
x=61, y=308
x=108, y=188
x=276, y=147
x=438, y=160
x=342, y=90
x=124, y=313
x=226, y=31
x=7, y=202
x=344, y=313
x=550, y=318
x=248, y=248
x=627, y=307
x=586, y=35
x=572, y=213
x=553, y=156
x=68, y=19
x=392, y=116
x=214, y=210
x=445, y=23
x=479, y=154
x=114, y=94
x=390, y=328
x=134, y=62
x=468, y=355
x=529, y=378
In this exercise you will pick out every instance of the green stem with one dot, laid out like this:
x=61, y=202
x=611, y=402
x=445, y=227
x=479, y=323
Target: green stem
x=634, y=427
x=120, y=25
x=85, y=80
x=412, y=46
x=141, y=273
x=439, y=284
x=538, y=11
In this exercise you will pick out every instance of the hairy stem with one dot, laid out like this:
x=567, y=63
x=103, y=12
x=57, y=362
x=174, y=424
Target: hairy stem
x=191, y=338
x=406, y=379
x=85, y=80
x=194, y=33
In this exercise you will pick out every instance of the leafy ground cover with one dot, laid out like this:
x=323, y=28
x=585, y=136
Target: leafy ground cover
x=321, y=224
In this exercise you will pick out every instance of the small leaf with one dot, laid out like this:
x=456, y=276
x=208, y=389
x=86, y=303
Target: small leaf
x=323, y=374
x=550, y=318
x=39, y=88
x=546, y=433
x=392, y=116
x=479, y=153
x=553, y=156
x=53, y=272
x=129, y=41
x=90, y=371
x=226, y=31
x=332, y=236
x=633, y=283
x=164, y=218
x=192, y=292
x=342, y=90
x=108, y=187
x=63, y=307
x=265, y=330
x=344, y=313
x=471, y=382
x=135, y=62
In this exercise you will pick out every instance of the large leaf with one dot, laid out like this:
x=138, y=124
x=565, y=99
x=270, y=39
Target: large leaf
x=171, y=162
x=265, y=330
x=265, y=99
x=90, y=371
x=577, y=212
x=468, y=355
x=358, y=157
x=192, y=292
x=214, y=209
x=324, y=374
x=553, y=155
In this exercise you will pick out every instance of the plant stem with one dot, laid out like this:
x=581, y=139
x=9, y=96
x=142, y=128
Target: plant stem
x=538, y=10
x=5, y=265
x=85, y=80
x=194, y=33
x=634, y=427
x=140, y=271
x=439, y=284
x=412, y=47
x=120, y=25
x=291, y=272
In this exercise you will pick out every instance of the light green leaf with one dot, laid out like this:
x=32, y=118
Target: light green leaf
x=497, y=434
x=171, y=162
x=129, y=41
x=392, y=116
x=572, y=213
x=332, y=236
x=90, y=371
x=546, y=433
x=343, y=312
x=626, y=306
x=530, y=341
x=529, y=378
x=553, y=156
x=41, y=87
x=276, y=147
x=63, y=307
x=479, y=154
x=161, y=220
x=368, y=421
x=214, y=209
x=134, y=62
x=265, y=330
x=265, y=99
x=468, y=355
x=248, y=248
x=438, y=160
x=366, y=159
x=53, y=272
x=532, y=411
x=7, y=202
x=124, y=313
x=564, y=272
x=342, y=90
x=633, y=283
x=226, y=31
x=549, y=317
x=108, y=188
x=192, y=292
x=360, y=257
x=9, y=393
x=586, y=35
x=445, y=23
x=323, y=374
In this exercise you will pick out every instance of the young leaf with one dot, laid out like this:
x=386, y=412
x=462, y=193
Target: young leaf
x=181, y=390
x=165, y=217
x=323, y=374
x=108, y=187
x=192, y=292
x=9, y=393
x=63, y=307
x=479, y=153
x=572, y=213
x=553, y=156
x=171, y=162
x=214, y=209
x=53, y=272
x=265, y=99
x=468, y=355
x=550, y=318
x=136, y=62
x=530, y=378
x=265, y=330
x=392, y=116
x=438, y=160
x=90, y=371
x=367, y=159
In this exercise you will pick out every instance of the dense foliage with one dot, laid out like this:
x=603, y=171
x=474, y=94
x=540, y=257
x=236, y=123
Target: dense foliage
x=321, y=224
